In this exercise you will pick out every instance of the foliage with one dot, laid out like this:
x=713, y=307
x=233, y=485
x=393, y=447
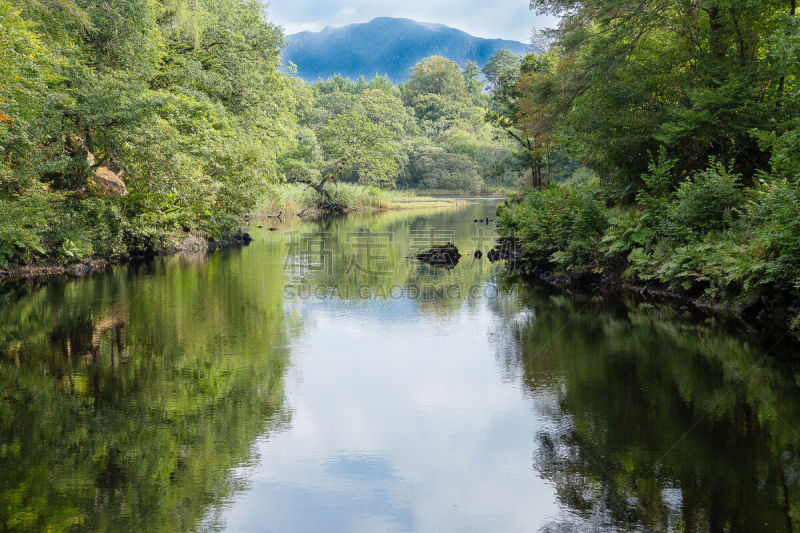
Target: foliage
x=436, y=168
x=558, y=224
x=711, y=88
x=353, y=143
x=181, y=100
x=702, y=79
x=438, y=138
x=499, y=65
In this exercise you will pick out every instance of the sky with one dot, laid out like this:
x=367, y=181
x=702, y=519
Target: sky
x=506, y=19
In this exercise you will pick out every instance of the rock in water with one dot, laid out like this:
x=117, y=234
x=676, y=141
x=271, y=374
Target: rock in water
x=506, y=249
x=445, y=255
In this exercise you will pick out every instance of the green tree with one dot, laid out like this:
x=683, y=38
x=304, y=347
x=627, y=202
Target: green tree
x=472, y=79
x=351, y=143
x=697, y=77
x=499, y=64
x=436, y=90
x=520, y=109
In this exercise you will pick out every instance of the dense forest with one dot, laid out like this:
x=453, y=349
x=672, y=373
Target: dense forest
x=126, y=126
x=687, y=115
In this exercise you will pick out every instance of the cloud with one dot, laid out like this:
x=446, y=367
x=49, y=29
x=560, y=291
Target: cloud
x=343, y=17
x=509, y=19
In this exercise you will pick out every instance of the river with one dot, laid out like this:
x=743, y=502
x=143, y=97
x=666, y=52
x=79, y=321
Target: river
x=321, y=380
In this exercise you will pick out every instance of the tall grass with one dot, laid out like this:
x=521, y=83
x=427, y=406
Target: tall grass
x=295, y=198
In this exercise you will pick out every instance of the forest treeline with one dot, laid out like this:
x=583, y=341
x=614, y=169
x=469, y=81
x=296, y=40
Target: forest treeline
x=687, y=114
x=127, y=125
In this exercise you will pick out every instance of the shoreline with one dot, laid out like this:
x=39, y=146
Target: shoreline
x=81, y=269
x=756, y=317
x=197, y=243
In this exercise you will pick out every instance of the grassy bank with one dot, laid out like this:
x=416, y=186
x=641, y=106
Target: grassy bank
x=711, y=239
x=294, y=198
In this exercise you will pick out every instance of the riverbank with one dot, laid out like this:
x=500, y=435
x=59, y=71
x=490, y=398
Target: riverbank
x=754, y=318
x=79, y=269
x=712, y=243
x=289, y=201
x=294, y=199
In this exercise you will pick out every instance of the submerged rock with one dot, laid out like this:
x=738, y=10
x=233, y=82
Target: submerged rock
x=444, y=255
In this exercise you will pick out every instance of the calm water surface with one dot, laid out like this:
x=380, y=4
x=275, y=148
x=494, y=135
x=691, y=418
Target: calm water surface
x=319, y=380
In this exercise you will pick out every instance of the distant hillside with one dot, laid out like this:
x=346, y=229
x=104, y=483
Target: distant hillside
x=386, y=46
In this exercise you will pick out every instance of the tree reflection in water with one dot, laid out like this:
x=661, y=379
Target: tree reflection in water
x=657, y=422
x=122, y=407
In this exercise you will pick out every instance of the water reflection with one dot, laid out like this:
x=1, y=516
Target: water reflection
x=127, y=398
x=657, y=422
x=322, y=379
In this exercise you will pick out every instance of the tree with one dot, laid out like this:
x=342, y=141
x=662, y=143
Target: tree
x=472, y=79
x=519, y=107
x=352, y=143
x=180, y=100
x=499, y=64
x=432, y=167
x=696, y=77
x=436, y=90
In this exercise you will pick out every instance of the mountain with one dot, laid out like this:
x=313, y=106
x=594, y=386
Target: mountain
x=386, y=46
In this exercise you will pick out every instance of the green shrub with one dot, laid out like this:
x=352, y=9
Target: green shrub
x=52, y=229
x=23, y=223
x=558, y=224
x=706, y=202
x=774, y=214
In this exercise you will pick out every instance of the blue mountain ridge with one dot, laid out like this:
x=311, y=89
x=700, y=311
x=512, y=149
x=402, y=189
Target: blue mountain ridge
x=386, y=46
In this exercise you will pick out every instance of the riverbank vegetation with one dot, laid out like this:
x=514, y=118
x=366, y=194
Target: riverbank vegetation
x=687, y=114
x=295, y=198
x=129, y=126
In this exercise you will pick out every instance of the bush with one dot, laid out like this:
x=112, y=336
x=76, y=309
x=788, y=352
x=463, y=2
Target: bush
x=558, y=224
x=85, y=228
x=668, y=236
x=432, y=167
x=707, y=202
x=774, y=213
x=23, y=223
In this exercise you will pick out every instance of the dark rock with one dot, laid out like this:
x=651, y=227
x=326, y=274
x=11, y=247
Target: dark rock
x=506, y=249
x=478, y=254
x=445, y=255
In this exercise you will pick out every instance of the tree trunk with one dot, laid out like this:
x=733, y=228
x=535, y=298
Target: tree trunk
x=782, y=82
x=714, y=27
